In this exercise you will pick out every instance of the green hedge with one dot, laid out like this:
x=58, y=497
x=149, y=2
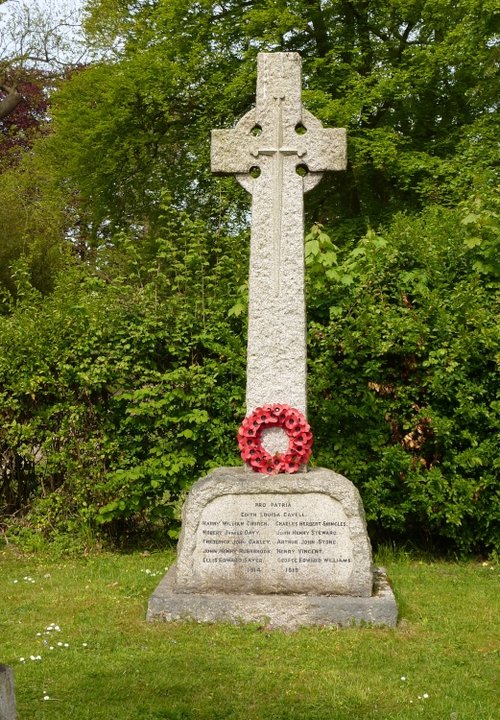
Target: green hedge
x=127, y=382
x=404, y=342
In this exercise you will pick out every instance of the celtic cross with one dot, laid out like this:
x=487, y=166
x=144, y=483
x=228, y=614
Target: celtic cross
x=278, y=151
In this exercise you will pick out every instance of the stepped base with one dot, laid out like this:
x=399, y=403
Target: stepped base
x=288, y=612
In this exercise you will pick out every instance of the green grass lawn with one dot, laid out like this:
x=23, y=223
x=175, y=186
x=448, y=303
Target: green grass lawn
x=107, y=663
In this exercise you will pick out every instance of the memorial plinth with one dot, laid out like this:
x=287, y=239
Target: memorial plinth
x=285, y=551
x=302, y=533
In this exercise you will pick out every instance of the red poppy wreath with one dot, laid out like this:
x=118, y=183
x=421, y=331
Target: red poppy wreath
x=295, y=425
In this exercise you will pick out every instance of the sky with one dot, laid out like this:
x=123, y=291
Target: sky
x=68, y=9
x=48, y=3
x=57, y=6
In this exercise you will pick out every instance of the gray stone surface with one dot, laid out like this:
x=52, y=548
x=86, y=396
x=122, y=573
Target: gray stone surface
x=302, y=533
x=7, y=697
x=276, y=137
x=288, y=612
x=285, y=550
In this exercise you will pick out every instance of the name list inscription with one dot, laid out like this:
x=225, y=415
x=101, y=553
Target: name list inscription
x=295, y=542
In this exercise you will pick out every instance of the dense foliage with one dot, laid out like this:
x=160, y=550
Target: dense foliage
x=122, y=344
x=404, y=372
x=117, y=383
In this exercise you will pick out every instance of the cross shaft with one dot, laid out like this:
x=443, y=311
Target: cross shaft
x=270, y=138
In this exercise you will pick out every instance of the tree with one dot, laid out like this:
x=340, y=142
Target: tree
x=404, y=372
x=118, y=384
x=28, y=120
x=414, y=83
x=39, y=48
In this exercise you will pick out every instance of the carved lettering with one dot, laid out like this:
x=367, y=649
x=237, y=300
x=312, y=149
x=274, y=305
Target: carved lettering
x=302, y=535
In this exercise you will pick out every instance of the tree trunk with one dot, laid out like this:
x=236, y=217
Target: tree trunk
x=320, y=30
x=9, y=102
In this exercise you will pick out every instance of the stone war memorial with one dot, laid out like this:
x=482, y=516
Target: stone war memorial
x=274, y=542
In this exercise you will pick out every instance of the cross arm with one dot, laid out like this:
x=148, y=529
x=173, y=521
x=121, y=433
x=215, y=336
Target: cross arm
x=231, y=152
x=326, y=148
x=330, y=151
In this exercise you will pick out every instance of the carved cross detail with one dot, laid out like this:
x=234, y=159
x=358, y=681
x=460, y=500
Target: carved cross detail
x=278, y=151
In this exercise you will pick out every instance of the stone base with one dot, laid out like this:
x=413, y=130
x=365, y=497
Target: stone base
x=301, y=534
x=288, y=612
